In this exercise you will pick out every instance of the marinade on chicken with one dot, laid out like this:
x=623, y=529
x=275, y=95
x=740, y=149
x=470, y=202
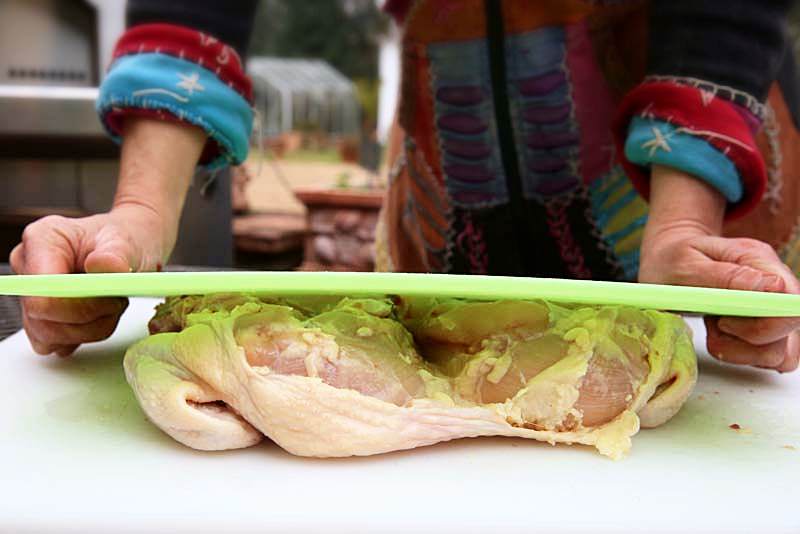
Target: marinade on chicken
x=331, y=376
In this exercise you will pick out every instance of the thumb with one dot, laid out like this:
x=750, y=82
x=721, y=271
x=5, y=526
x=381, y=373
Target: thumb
x=112, y=254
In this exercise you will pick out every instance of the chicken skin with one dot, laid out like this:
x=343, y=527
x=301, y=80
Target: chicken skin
x=331, y=377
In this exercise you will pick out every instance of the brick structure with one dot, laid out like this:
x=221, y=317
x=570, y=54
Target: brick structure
x=341, y=225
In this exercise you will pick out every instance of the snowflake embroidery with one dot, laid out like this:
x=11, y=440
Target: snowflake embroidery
x=190, y=83
x=657, y=142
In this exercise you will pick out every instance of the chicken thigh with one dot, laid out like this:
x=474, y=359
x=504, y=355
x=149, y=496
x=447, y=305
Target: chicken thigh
x=333, y=377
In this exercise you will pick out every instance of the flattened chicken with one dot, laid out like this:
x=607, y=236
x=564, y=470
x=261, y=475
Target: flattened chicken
x=333, y=377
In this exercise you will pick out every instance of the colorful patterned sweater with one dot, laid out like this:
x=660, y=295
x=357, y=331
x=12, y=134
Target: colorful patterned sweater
x=526, y=127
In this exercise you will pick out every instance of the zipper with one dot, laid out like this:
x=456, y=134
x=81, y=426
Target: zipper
x=495, y=36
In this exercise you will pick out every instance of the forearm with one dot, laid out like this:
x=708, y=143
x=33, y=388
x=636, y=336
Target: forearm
x=709, y=67
x=678, y=199
x=178, y=59
x=157, y=164
x=681, y=208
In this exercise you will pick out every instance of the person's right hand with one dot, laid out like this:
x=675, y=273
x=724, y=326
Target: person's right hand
x=156, y=167
x=129, y=238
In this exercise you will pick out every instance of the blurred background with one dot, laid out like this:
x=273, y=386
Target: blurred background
x=325, y=76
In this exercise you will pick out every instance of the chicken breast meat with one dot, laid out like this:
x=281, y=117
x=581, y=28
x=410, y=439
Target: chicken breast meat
x=330, y=377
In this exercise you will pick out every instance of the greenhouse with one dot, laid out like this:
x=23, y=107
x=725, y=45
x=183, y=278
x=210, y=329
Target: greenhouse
x=303, y=94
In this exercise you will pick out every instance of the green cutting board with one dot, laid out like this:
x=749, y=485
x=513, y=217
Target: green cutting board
x=660, y=297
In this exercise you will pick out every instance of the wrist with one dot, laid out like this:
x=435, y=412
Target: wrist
x=151, y=229
x=682, y=204
x=157, y=164
x=681, y=208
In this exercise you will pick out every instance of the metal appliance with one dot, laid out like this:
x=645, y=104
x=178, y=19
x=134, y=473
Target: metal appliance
x=54, y=155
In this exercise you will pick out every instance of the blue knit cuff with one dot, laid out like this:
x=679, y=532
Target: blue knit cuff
x=187, y=91
x=653, y=141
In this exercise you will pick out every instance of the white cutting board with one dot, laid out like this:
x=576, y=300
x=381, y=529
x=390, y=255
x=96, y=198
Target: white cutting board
x=77, y=455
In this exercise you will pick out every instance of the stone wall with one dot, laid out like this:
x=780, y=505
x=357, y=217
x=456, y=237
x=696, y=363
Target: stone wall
x=341, y=230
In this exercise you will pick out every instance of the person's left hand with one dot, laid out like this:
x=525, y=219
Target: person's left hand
x=708, y=261
x=683, y=250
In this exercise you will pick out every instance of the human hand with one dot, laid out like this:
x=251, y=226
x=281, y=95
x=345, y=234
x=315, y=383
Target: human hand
x=680, y=248
x=138, y=234
x=123, y=240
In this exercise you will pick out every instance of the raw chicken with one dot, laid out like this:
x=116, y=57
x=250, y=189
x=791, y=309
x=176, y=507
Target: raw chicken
x=340, y=377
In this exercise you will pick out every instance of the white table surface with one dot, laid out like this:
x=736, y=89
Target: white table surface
x=78, y=455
